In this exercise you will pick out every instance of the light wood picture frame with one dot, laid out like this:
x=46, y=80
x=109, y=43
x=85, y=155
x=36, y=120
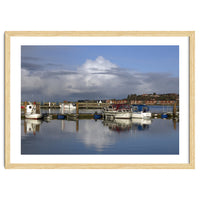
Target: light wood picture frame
x=160, y=34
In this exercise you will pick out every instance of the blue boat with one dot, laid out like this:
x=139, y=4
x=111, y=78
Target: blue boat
x=97, y=116
x=164, y=115
x=61, y=117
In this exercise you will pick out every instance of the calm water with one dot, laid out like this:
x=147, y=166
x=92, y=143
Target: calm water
x=136, y=136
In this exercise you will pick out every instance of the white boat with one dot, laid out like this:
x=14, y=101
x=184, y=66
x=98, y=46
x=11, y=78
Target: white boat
x=68, y=106
x=109, y=111
x=118, y=111
x=141, y=115
x=123, y=114
x=141, y=111
x=32, y=112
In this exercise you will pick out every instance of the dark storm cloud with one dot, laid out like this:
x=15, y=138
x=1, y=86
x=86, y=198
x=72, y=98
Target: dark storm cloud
x=54, y=65
x=37, y=64
x=31, y=66
x=59, y=73
x=162, y=81
x=34, y=66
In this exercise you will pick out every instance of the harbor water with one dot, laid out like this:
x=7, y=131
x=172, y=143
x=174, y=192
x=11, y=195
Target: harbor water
x=89, y=136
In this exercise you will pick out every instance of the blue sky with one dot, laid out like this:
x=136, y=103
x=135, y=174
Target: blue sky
x=97, y=72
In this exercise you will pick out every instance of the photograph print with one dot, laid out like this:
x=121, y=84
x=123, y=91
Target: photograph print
x=99, y=99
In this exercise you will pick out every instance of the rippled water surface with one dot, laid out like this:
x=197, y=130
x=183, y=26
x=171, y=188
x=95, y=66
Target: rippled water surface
x=122, y=136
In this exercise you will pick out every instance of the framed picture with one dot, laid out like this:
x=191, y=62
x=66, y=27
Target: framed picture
x=108, y=100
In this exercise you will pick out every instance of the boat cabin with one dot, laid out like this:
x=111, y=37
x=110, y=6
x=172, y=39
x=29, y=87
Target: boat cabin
x=140, y=108
x=121, y=107
x=32, y=108
x=29, y=109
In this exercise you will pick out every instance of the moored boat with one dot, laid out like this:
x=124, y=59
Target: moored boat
x=33, y=111
x=141, y=111
x=61, y=117
x=68, y=106
x=164, y=115
x=118, y=111
x=123, y=114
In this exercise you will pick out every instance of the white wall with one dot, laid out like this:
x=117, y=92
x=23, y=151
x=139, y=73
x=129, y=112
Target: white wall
x=99, y=15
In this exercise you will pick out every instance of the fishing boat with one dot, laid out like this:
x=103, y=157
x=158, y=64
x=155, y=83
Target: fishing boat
x=109, y=112
x=123, y=114
x=33, y=111
x=140, y=111
x=68, y=106
x=118, y=111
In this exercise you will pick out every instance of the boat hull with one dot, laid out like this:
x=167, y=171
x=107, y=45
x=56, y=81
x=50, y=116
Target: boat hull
x=33, y=116
x=141, y=115
x=110, y=113
x=96, y=116
x=60, y=117
x=164, y=115
x=123, y=115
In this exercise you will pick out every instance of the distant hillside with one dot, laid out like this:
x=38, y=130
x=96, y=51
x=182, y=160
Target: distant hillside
x=153, y=97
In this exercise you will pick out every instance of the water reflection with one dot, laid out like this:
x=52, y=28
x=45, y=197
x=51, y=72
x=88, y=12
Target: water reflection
x=31, y=126
x=118, y=125
x=175, y=121
x=119, y=136
x=141, y=124
x=125, y=125
x=93, y=135
x=67, y=110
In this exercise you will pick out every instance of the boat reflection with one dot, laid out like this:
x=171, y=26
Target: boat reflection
x=118, y=125
x=123, y=125
x=31, y=126
x=67, y=110
x=141, y=124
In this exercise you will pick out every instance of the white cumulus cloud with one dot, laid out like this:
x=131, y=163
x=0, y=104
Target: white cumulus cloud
x=95, y=79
